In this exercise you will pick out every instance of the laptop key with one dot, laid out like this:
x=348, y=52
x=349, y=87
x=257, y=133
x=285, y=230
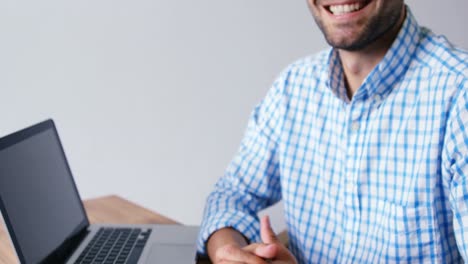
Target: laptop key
x=135, y=255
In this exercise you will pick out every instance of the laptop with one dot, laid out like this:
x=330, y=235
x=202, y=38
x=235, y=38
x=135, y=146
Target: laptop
x=46, y=220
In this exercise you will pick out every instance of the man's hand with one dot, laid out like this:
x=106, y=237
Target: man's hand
x=270, y=251
x=271, y=248
x=226, y=246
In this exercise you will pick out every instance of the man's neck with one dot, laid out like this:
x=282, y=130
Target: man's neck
x=358, y=64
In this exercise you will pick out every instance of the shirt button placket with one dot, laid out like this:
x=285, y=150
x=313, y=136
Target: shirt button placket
x=351, y=198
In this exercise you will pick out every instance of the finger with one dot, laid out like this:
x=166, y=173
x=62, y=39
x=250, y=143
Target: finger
x=235, y=254
x=262, y=250
x=266, y=232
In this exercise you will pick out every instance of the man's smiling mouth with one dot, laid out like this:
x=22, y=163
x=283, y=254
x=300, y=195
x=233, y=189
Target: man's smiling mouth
x=342, y=9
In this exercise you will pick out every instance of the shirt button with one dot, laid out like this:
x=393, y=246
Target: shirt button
x=377, y=98
x=355, y=126
x=355, y=115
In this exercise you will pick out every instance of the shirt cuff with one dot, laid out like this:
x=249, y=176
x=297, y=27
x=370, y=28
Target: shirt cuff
x=246, y=224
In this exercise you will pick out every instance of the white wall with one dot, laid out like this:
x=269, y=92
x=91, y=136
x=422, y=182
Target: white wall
x=151, y=97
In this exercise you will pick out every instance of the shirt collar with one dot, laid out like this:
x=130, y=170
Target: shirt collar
x=381, y=79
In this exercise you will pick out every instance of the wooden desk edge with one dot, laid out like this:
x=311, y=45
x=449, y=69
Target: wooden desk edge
x=117, y=210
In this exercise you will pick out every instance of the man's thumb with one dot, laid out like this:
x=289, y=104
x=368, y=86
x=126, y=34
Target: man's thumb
x=266, y=232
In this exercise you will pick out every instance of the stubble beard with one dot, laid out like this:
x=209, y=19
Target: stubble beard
x=374, y=28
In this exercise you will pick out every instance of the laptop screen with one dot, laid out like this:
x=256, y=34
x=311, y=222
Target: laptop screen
x=39, y=200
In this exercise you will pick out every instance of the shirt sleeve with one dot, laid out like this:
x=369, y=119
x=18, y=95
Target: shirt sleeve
x=251, y=181
x=456, y=157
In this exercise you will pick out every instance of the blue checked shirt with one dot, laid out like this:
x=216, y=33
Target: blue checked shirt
x=381, y=178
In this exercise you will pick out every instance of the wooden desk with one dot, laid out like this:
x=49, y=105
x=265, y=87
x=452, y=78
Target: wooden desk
x=109, y=209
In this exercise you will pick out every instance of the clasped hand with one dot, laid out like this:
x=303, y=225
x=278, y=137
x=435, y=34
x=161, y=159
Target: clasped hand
x=269, y=251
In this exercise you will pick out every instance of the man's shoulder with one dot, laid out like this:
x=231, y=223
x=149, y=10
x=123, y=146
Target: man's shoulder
x=315, y=63
x=440, y=55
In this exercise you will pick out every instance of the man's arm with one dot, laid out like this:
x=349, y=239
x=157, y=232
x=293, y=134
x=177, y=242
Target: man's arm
x=251, y=181
x=455, y=158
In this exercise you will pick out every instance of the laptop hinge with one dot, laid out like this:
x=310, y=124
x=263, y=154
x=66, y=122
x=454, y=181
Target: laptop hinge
x=66, y=249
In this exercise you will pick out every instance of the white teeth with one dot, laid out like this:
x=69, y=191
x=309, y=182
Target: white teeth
x=343, y=9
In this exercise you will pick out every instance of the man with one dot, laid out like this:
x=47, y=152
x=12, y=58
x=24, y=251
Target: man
x=366, y=144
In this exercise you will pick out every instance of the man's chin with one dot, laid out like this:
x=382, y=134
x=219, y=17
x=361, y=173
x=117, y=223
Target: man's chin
x=351, y=47
x=347, y=45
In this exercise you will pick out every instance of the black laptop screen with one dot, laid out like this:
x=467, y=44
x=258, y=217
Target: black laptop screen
x=38, y=195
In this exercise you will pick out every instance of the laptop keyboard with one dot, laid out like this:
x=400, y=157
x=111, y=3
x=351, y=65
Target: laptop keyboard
x=115, y=246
